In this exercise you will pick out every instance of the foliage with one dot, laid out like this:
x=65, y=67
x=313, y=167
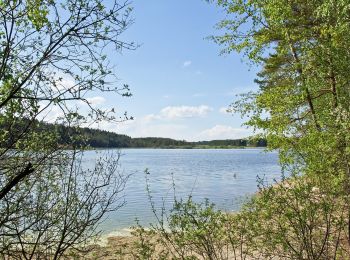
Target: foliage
x=191, y=231
x=300, y=218
x=52, y=57
x=59, y=209
x=302, y=104
x=302, y=109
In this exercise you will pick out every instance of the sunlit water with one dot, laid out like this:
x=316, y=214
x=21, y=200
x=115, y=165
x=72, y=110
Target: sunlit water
x=225, y=176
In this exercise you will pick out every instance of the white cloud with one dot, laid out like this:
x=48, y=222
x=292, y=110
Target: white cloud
x=98, y=100
x=223, y=110
x=64, y=82
x=223, y=132
x=51, y=114
x=147, y=127
x=151, y=126
x=176, y=131
x=172, y=112
x=150, y=117
x=177, y=112
x=114, y=126
x=187, y=63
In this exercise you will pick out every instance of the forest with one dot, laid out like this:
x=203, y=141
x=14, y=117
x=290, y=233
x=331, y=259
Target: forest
x=97, y=138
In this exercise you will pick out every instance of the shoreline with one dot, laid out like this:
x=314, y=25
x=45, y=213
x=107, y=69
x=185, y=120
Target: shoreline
x=178, y=148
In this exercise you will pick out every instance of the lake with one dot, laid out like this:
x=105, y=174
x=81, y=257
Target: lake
x=225, y=176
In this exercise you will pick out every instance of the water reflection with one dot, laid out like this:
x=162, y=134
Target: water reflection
x=224, y=176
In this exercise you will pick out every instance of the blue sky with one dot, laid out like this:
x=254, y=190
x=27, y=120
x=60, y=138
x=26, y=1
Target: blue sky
x=180, y=84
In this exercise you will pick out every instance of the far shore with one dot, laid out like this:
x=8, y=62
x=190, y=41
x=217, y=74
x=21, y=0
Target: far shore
x=181, y=147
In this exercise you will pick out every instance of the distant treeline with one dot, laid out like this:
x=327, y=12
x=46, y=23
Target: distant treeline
x=104, y=139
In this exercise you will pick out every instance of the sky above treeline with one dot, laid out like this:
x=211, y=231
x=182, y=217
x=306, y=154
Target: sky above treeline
x=181, y=86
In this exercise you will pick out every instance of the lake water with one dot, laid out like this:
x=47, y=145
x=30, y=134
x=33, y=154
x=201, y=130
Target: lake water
x=225, y=176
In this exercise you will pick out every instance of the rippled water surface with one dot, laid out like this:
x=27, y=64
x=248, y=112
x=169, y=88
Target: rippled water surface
x=226, y=177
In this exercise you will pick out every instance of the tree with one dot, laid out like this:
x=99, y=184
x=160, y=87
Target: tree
x=52, y=55
x=302, y=105
x=303, y=97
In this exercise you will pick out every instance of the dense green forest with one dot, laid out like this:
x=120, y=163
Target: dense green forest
x=96, y=138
